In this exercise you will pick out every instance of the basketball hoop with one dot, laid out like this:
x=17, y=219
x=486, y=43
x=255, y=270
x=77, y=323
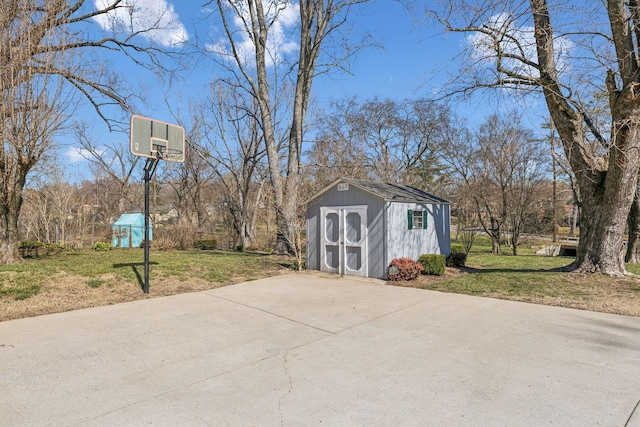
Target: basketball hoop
x=157, y=140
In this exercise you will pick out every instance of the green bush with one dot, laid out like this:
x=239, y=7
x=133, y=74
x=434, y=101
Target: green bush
x=31, y=244
x=433, y=264
x=205, y=244
x=101, y=246
x=403, y=269
x=457, y=259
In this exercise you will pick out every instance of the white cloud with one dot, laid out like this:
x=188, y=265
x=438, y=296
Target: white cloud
x=77, y=155
x=279, y=42
x=155, y=20
x=519, y=41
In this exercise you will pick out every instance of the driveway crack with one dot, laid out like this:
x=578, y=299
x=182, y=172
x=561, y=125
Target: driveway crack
x=286, y=371
x=634, y=412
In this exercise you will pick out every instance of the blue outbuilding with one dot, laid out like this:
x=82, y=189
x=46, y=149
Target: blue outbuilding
x=128, y=231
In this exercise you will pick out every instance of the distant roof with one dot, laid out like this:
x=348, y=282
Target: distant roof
x=391, y=192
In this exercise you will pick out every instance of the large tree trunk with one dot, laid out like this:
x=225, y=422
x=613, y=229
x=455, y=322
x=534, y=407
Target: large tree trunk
x=601, y=237
x=606, y=201
x=9, y=251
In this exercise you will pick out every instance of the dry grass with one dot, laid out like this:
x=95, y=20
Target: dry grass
x=71, y=292
x=76, y=281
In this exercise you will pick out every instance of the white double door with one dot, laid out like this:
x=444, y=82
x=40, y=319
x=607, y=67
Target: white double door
x=344, y=240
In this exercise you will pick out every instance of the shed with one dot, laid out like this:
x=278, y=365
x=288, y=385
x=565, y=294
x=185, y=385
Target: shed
x=128, y=231
x=357, y=227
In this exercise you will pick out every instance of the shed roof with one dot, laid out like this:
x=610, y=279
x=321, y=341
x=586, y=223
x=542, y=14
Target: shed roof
x=130, y=219
x=390, y=192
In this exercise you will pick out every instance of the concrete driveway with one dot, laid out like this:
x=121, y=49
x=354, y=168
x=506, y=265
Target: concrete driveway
x=314, y=349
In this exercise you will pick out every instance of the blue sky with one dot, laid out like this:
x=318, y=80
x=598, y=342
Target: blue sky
x=402, y=67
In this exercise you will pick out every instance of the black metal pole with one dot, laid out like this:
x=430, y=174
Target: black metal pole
x=149, y=170
x=147, y=178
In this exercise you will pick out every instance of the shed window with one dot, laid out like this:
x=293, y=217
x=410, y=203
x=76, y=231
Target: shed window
x=417, y=220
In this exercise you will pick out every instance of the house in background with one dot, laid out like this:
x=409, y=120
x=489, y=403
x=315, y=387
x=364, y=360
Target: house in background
x=357, y=227
x=128, y=231
x=164, y=214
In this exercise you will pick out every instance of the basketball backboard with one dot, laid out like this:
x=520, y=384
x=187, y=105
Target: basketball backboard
x=156, y=139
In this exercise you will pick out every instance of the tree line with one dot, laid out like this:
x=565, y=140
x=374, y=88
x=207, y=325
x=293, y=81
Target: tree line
x=497, y=175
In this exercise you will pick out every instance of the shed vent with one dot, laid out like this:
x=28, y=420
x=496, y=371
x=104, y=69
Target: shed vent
x=343, y=186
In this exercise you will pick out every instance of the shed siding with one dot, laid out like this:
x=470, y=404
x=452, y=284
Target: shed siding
x=403, y=242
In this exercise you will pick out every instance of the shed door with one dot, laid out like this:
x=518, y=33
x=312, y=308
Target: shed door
x=344, y=240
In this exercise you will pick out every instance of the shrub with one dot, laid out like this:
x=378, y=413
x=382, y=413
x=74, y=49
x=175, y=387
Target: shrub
x=31, y=244
x=407, y=269
x=164, y=244
x=205, y=244
x=456, y=259
x=101, y=246
x=184, y=235
x=433, y=264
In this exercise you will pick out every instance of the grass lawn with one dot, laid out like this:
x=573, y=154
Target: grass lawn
x=537, y=279
x=71, y=280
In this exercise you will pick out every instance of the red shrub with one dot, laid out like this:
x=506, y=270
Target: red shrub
x=407, y=269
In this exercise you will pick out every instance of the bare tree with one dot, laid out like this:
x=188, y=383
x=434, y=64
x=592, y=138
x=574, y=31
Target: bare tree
x=46, y=52
x=318, y=22
x=502, y=169
x=227, y=137
x=387, y=140
x=594, y=44
x=189, y=181
x=28, y=122
x=112, y=160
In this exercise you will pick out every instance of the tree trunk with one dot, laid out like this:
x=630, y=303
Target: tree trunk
x=574, y=219
x=283, y=245
x=601, y=239
x=607, y=200
x=633, y=224
x=9, y=251
x=495, y=244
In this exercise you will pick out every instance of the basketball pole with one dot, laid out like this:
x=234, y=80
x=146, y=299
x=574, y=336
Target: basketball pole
x=149, y=170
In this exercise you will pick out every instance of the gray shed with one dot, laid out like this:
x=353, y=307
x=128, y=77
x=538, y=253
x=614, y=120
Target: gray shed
x=357, y=227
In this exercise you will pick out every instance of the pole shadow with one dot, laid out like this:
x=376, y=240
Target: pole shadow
x=134, y=266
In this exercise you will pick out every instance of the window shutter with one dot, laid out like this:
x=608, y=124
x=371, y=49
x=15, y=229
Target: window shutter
x=410, y=218
x=424, y=219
